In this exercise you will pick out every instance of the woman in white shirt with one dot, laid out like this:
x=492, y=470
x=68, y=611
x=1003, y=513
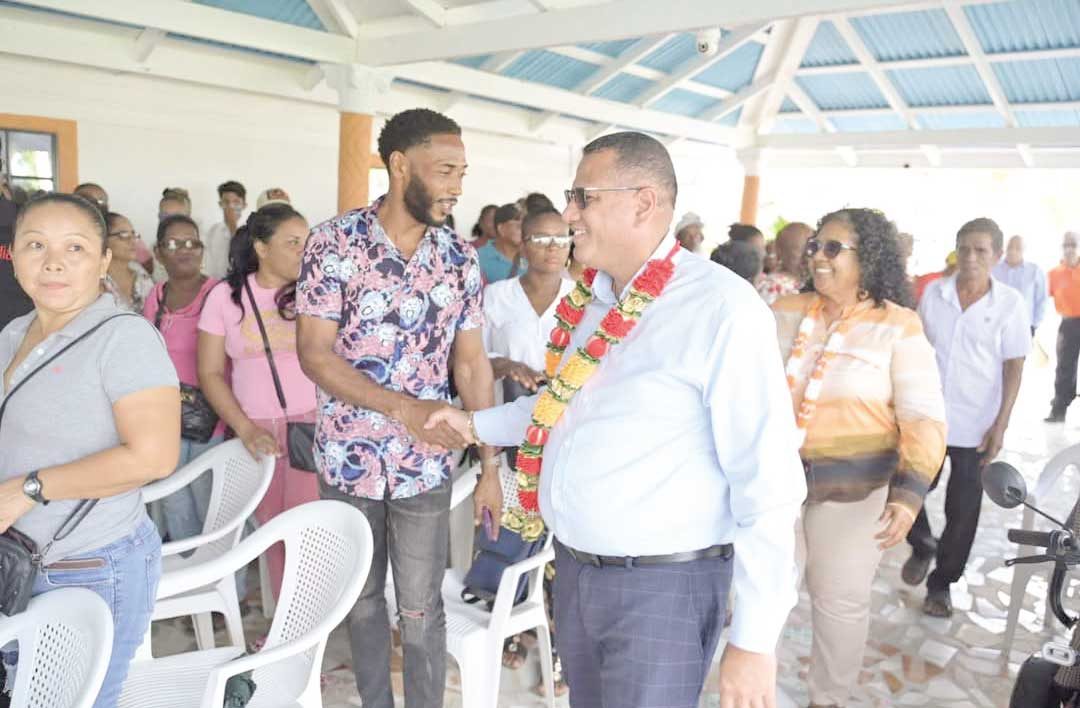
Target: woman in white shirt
x=519, y=314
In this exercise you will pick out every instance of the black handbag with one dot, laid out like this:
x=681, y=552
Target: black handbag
x=198, y=419
x=491, y=558
x=299, y=437
x=20, y=559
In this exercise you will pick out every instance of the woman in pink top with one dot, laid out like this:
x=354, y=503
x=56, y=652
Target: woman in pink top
x=265, y=254
x=174, y=307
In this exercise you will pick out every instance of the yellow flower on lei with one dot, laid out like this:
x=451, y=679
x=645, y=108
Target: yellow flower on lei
x=548, y=409
x=577, y=371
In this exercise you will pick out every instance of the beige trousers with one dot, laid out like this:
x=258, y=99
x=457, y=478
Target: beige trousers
x=838, y=557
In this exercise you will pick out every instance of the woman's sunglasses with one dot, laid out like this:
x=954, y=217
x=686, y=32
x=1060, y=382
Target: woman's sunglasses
x=190, y=244
x=549, y=240
x=831, y=249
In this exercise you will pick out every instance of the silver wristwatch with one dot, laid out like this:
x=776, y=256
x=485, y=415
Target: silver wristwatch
x=32, y=488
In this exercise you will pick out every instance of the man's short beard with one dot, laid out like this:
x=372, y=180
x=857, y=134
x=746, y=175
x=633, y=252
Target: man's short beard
x=419, y=203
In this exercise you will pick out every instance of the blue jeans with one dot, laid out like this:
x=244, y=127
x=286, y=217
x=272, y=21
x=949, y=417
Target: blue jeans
x=182, y=514
x=127, y=580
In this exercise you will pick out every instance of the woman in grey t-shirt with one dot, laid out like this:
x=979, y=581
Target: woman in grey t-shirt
x=98, y=422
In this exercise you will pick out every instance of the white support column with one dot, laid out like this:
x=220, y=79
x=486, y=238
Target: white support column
x=752, y=159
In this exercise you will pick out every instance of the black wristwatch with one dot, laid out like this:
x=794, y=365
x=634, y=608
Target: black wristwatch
x=32, y=488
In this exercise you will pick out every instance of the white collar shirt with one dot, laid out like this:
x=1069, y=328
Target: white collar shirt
x=512, y=329
x=971, y=347
x=683, y=438
x=1030, y=280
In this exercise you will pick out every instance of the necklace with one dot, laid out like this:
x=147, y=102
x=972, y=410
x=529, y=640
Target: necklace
x=565, y=383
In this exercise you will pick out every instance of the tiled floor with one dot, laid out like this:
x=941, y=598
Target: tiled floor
x=911, y=660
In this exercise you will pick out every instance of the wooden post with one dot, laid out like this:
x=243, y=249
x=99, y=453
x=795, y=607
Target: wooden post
x=749, y=211
x=354, y=160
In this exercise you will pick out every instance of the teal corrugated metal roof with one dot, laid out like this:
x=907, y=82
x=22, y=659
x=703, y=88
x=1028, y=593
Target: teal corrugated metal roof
x=909, y=35
x=1024, y=25
x=828, y=48
x=940, y=86
x=544, y=67
x=735, y=70
x=672, y=53
x=624, y=87
x=868, y=124
x=473, y=62
x=843, y=91
x=611, y=49
x=961, y=121
x=788, y=106
x=793, y=124
x=685, y=103
x=293, y=12
x=1041, y=81
x=1047, y=119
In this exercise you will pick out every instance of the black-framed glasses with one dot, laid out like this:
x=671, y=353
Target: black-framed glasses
x=189, y=244
x=124, y=235
x=577, y=195
x=549, y=240
x=831, y=249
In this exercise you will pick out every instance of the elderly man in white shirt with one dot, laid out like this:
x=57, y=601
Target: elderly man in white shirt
x=1026, y=277
x=980, y=330
x=673, y=474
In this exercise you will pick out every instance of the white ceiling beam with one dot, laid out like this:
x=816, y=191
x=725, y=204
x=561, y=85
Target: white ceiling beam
x=312, y=77
x=218, y=25
x=1026, y=154
x=693, y=67
x=629, y=57
x=982, y=138
x=936, y=62
x=430, y=10
x=601, y=129
x=867, y=60
x=146, y=42
x=974, y=48
x=793, y=37
x=848, y=154
x=932, y=154
x=461, y=78
x=741, y=96
x=809, y=108
x=599, y=22
x=335, y=16
x=955, y=109
x=495, y=64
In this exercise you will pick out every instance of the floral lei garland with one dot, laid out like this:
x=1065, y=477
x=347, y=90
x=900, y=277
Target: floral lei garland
x=833, y=344
x=563, y=385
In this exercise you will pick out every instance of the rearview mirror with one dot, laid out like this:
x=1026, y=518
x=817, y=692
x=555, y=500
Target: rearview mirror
x=1004, y=485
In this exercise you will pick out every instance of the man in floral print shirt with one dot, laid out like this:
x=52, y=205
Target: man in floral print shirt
x=388, y=296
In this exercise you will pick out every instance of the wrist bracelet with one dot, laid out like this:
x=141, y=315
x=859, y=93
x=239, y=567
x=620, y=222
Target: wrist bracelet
x=472, y=429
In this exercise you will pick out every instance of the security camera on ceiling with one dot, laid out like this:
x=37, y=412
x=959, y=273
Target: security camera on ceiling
x=708, y=41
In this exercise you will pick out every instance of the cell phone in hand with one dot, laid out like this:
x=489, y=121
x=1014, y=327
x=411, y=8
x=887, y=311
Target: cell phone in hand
x=489, y=524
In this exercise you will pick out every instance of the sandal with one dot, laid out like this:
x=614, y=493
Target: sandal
x=557, y=679
x=514, y=653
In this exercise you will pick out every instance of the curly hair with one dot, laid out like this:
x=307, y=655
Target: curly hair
x=411, y=128
x=880, y=263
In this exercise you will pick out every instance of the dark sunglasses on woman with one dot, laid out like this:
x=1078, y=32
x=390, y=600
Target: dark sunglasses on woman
x=831, y=249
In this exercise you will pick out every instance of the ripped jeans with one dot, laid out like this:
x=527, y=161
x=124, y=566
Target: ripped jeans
x=414, y=534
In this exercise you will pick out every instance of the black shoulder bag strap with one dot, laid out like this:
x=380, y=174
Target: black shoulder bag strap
x=266, y=348
x=161, y=303
x=84, y=507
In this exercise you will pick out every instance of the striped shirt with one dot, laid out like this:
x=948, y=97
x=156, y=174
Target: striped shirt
x=880, y=418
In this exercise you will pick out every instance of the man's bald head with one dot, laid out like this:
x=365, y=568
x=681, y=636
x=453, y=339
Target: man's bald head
x=791, y=247
x=1014, y=252
x=642, y=156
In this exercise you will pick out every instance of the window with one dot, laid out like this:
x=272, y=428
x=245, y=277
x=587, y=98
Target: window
x=28, y=160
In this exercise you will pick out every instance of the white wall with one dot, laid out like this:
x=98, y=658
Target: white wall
x=139, y=134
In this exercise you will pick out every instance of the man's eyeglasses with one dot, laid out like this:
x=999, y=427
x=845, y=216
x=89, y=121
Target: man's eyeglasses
x=831, y=249
x=550, y=240
x=189, y=244
x=123, y=235
x=577, y=195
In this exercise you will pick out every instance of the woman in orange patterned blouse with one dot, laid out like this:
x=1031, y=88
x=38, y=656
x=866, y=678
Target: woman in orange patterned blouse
x=868, y=401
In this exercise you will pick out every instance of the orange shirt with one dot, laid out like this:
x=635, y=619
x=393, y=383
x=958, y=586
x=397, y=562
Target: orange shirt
x=1065, y=289
x=923, y=280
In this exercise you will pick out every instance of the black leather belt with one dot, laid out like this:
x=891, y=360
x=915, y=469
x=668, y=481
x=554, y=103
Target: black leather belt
x=724, y=551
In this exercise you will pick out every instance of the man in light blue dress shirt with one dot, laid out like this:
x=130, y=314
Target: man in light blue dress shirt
x=674, y=473
x=1026, y=277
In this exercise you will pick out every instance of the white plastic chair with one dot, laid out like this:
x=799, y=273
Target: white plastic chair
x=65, y=640
x=1045, y=489
x=328, y=549
x=239, y=483
x=475, y=637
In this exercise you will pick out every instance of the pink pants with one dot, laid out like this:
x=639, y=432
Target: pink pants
x=289, y=487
